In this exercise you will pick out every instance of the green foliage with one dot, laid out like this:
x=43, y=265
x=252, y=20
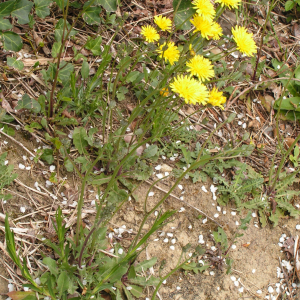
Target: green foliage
x=104, y=272
x=6, y=176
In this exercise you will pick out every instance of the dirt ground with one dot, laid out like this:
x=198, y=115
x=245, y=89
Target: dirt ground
x=256, y=256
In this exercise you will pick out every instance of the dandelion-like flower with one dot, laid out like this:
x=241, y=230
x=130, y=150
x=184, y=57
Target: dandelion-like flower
x=200, y=67
x=191, y=90
x=205, y=9
x=207, y=28
x=216, y=31
x=164, y=92
x=150, y=34
x=170, y=54
x=244, y=40
x=163, y=23
x=216, y=98
x=229, y=3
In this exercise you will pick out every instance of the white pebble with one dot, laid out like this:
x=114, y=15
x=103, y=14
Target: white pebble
x=166, y=240
x=254, y=215
x=233, y=213
x=22, y=167
x=270, y=290
x=151, y=194
x=204, y=189
x=298, y=227
x=218, y=208
x=120, y=251
x=159, y=176
x=172, y=247
x=236, y=283
x=216, y=215
x=233, y=246
x=211, y=273
x=173, y=241
x=204, y=221
x=158, y=167
x=52, y=168
x=241, y=289
x=258, y=292
x=233, y=278
x=178, y=288
x=22, y=209
x=253, y=271
x=170, y=234
x=180, y=186
x=181, y=209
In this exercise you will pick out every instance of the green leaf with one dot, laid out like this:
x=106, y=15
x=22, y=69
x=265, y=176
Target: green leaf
x=221, y=237
x=62, y=282
x=5, y=24
x=55, y=49
x=51, y=264
x=22, y=10
x=12, y=41
x=79, y=139
x=13, y=62
x=289, y=5
x=150, y=151
x=65, y=73
x=6, y=8
x=61, y=3
x=292, y=103
x=146, y=264
x=136, y=291
x=28, y=103
x=92, y=15
x=42, y=8
x=109, y=5
x=68, y=165
x=121, y=93
x=85, y=70
x=230, y=118
x=47, y=156
x=59, y=30
x=94, y=45
x=183, y=14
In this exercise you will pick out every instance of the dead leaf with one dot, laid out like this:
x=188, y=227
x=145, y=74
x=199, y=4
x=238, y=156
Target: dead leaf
x=5, y=104
x=19, y=295
x=267, y=101
x=296, y=31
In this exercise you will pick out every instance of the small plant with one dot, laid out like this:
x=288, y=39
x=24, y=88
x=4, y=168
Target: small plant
x=6, y=176
x=224, y=246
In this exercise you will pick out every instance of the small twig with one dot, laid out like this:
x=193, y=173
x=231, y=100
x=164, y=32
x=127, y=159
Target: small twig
x=25, y=186
x=186, y=203
x=22, y=146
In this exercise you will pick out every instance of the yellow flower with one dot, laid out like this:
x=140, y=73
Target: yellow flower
x=216, y=98
x=208, y=29
x=170, y=54
x=244, y=40
x=205, y=9
x=229, y=3
x=216, y=31
x=163, y=23
x=150, y=33
x=191, y=90
x=200, y=67
x=164, y=92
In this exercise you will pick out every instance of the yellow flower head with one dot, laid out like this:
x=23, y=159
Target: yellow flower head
x=191, y=90
x=229, y=3
x=163, y=23
x=216, y=31
x=216, y=98
x=244, y=40
x=201, y=67
x=164, y=92
x=205, y=9
x=208, y=29
x=150, y=34
x=170, y=54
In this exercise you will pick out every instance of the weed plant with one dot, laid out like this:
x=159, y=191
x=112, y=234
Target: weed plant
x=157, y=74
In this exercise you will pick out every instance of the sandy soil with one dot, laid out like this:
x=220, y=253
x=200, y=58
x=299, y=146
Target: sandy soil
x=256, y=256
